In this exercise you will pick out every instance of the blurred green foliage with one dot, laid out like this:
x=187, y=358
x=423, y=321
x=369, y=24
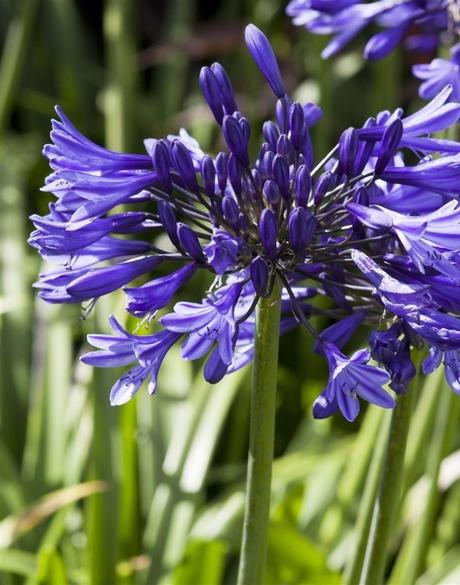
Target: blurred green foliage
x=152, y=492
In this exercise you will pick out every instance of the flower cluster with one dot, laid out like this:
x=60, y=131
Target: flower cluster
x=373, y=238
x=420, y=24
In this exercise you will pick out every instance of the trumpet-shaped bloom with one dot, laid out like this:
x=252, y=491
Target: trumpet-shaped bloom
x=438, y=74
x=350, y=379
x=420, y=25
x=398, y=19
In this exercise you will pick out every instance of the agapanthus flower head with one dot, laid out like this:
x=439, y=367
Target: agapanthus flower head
x=373, y=235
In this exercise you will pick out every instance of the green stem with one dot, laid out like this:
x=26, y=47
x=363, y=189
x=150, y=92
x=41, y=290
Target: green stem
x=354, y=474
x=415, y=547
x=363, y=522
x=261, y=440
x=421, y=427
x=387, y=500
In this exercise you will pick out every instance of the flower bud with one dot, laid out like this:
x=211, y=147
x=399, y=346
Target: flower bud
x=234, y=174
x=296, y=124
x=348, y=145
x=301, y=227
x=281, y=174
x=230, y=210
x=312, y=113
x=168, y=219
x=212, y=93
x=261, y=50
x=221, y=170
x=271, y=134
x=364, y=150
x=260, y=276
x=302, y=186
x=161, y=165
x=324, y=184
x=268, y=230
x=226, y=88
x=235, y=139
x=389, y=145
x=208, y=172
x=272, y=193
x=189, y=242
x=184, y=165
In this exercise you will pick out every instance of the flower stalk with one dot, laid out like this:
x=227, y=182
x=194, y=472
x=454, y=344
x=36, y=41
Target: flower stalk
x=385, y=507
x=261, y=440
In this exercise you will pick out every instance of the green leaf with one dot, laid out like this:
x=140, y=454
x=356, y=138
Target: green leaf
x=204, y=562
x=293, y=558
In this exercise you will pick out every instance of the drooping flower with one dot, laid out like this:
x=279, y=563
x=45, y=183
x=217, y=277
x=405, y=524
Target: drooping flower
x=122, y=349
x=438, y=74
x=428, y=239
x=373, y=234
x=451, y=360
x=391, y=349
x=211, y=322
x=420, y=25
x=418, y=22
x=350, y=379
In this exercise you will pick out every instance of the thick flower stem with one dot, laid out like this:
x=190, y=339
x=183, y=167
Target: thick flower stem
x=387, y=501
x=261, y=440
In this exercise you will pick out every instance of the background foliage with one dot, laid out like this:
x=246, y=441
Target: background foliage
x=152, y=492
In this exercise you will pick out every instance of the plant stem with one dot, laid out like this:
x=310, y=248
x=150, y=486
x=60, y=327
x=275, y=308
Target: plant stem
x=261, y=440
x=363, y=522
x=416, y=543
x=387, y=502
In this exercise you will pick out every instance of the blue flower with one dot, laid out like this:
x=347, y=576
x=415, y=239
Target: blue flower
x=222, y=251
x=427, y=238
x=122, y=349
x=438, y=74
x=157, y=293
x=207, y=323
x=451, y=360
x=400, y=20
x=351, y=379
x=360, y=238
x=391, y=349
x=413, y=303
x=262, y=52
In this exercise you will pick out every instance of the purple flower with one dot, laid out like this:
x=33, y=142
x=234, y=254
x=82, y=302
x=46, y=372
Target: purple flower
x=340, y=333
x=451, y=360
x=362, y=239
x=413, y=303
x=206, y=323
x=438, y=74
x=346, y=18
x=122, y=349
x=349, y=380
x=222, y=251
x=437, y=115
x=452, y=372
x=428, y=239
x=391, y=349
x=261, y=50
x=90, y=180
x=157, y=293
